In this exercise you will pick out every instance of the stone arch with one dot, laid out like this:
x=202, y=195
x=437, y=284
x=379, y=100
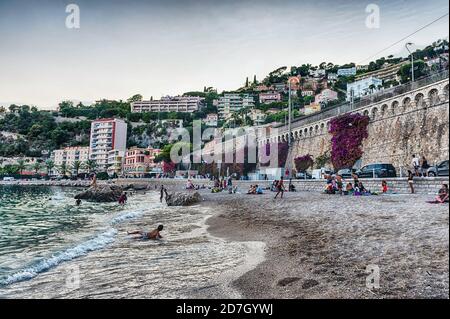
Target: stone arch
x=366, y=113
x=394, y=107
x=384, y=109
x=433, y=96
x=446, y=93
x=374, y=113
x=419, y=99
x=316, y=129
x=296, y=135
x=310, y=131
x=322, y=127
x=406, y=103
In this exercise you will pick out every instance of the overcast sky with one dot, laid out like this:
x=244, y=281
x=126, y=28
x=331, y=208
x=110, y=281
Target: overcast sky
x=169, y=47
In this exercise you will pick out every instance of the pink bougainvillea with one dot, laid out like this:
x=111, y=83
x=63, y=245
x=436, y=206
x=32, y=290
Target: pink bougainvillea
x=302, y=163
x=348, y=132
x=168, y=167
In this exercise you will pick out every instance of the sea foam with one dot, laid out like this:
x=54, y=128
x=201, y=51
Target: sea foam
x=81, y=249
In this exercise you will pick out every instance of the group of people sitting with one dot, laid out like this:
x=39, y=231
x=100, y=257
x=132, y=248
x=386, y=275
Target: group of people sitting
x=255, y=190
x=191, y=186
x=335, y=185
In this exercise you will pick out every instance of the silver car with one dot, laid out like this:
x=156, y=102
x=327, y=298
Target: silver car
x=441, y=169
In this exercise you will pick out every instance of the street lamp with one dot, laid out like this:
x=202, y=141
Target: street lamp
x=412, y=60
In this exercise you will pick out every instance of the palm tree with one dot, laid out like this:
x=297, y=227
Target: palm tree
x=91, y=165
x=36, y=167
x=21, y=165
x=76, y=166
x=49, y=164
x=63, y=169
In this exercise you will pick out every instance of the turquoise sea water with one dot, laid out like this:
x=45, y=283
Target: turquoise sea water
x=43, y=233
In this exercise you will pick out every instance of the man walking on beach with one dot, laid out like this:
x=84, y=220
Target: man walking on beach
x=280, y=188
x=163, y=191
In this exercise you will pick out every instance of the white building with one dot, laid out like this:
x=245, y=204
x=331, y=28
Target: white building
x=269, y=97
x=116, y=159
x=107, y=135
x=326, y=96
x=233, y=102
x=68, y=156
x=347, y=72
x=363, y=87
x=185, y=104
x=257, y=116
x=211, y=119
x=317, y=73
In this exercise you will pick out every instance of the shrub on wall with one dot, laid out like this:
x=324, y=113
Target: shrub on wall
x=302, y=163
x=348, y=132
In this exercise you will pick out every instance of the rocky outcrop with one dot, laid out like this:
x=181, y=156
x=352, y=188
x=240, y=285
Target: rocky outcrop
x=183, y=199
x=136, y=187
x=101, y=193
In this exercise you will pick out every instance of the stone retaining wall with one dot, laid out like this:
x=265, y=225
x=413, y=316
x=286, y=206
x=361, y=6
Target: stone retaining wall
x=397, y=185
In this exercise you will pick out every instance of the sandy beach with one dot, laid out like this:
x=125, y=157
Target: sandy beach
x=318, y=246
x=307, y=245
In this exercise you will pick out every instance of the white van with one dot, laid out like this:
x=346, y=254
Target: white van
x=319, y=173
x=8, y=179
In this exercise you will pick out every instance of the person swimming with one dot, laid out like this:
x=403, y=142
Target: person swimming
x=154, y=234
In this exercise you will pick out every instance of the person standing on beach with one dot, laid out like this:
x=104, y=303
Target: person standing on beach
x=280, y=188
x=411, y=181
x=163, y=192
x=94, y=180
x=424, y=166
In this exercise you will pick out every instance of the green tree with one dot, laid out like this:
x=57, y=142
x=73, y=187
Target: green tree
x=76, y=166
x=91, y=165
x=62, y=169
x=36, y=167
x=21, y=165
x=49, y=164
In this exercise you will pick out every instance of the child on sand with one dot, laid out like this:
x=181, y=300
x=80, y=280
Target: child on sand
x=384, y=187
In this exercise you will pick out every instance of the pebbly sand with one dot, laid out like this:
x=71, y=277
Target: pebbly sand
x=318, y=245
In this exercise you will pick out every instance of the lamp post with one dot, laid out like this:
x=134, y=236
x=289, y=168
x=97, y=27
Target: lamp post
x=412, y=60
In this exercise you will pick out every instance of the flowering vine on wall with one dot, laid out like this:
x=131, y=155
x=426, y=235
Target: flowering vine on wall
x=348, y=132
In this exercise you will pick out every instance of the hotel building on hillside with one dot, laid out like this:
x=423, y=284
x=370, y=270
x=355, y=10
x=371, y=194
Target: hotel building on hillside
x=269, y=97
x=185, y=104
x=140, y=161
x=115, y=162
x=68, y=156
x=363, y=87
x=233, y=102
x=106, y=135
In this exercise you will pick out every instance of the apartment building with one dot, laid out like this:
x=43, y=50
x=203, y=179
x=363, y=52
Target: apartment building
x=211, y=119
x=363, y=87
x=185, y=104
x=106, y=135
x=347, y=71
x=68, y=156
x=269, y=97
x=233, y=102
x=326, y=96
x=140, y=161
x=116, y=159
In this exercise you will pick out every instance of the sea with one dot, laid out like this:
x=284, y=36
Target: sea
x=52, y=248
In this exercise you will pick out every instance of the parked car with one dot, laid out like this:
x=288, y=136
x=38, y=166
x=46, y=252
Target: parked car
x=441, y=169
x=320, y=173
x=8, y=179
x=377, y=170
x=345, y=173
x=301, y=175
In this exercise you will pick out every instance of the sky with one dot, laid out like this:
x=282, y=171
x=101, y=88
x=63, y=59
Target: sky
x=158, y=48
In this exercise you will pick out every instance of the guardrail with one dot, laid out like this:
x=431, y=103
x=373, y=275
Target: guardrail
x=346, y=107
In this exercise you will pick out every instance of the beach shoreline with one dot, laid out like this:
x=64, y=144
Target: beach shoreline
x=315, y=252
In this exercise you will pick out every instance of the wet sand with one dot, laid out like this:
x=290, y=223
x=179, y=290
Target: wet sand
x=318, y=245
